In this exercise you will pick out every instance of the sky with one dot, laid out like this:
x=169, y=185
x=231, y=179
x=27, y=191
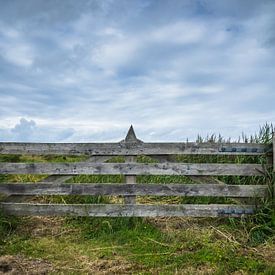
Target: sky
x=84, y=71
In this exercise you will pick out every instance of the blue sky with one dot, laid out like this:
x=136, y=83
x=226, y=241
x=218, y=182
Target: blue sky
x=80, y=71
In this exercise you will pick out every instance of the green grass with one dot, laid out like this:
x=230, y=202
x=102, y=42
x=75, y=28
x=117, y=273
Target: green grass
x=146, y=246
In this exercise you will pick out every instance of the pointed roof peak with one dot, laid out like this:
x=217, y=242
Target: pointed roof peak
x=131, y=136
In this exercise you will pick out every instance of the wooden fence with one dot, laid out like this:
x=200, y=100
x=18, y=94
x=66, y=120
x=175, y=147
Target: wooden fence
x=201, y=173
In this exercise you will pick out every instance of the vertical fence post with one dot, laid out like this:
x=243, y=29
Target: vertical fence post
x=129, y=141
x=273, y=152
x=130, y=179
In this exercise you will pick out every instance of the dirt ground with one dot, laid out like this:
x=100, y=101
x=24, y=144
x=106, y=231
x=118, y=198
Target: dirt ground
x=12, y=265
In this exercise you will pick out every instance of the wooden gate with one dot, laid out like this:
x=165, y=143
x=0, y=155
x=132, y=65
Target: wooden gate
x=201, y=173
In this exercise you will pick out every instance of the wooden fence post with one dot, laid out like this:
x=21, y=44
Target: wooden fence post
x=273, y=152
x=130, y=140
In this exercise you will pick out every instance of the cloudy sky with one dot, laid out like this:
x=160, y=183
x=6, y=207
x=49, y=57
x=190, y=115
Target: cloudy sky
x=85, y=70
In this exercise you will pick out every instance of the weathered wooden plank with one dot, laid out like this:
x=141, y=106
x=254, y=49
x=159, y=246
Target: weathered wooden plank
x=135, y=148
x=132, y=189
x=62, y=178
x=127, y=210
x=203, y=169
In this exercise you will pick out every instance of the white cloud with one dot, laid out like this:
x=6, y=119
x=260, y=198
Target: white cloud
x=182, y=32
x=110, y=55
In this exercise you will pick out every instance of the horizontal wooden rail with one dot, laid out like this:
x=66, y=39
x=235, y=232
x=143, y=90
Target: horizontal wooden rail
x=115, y=189
x=135, y=148
x=132, y=168
x=127, y=210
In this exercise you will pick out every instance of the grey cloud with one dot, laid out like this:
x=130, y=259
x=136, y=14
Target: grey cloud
x=28, y=130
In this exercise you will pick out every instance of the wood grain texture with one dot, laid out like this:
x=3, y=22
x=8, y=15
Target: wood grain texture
x=126, y=210
x=62, y=178
x=135, y=148
x=132, y=189
x=202, y=169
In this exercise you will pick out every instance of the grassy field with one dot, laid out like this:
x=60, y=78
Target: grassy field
x=54, y=245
